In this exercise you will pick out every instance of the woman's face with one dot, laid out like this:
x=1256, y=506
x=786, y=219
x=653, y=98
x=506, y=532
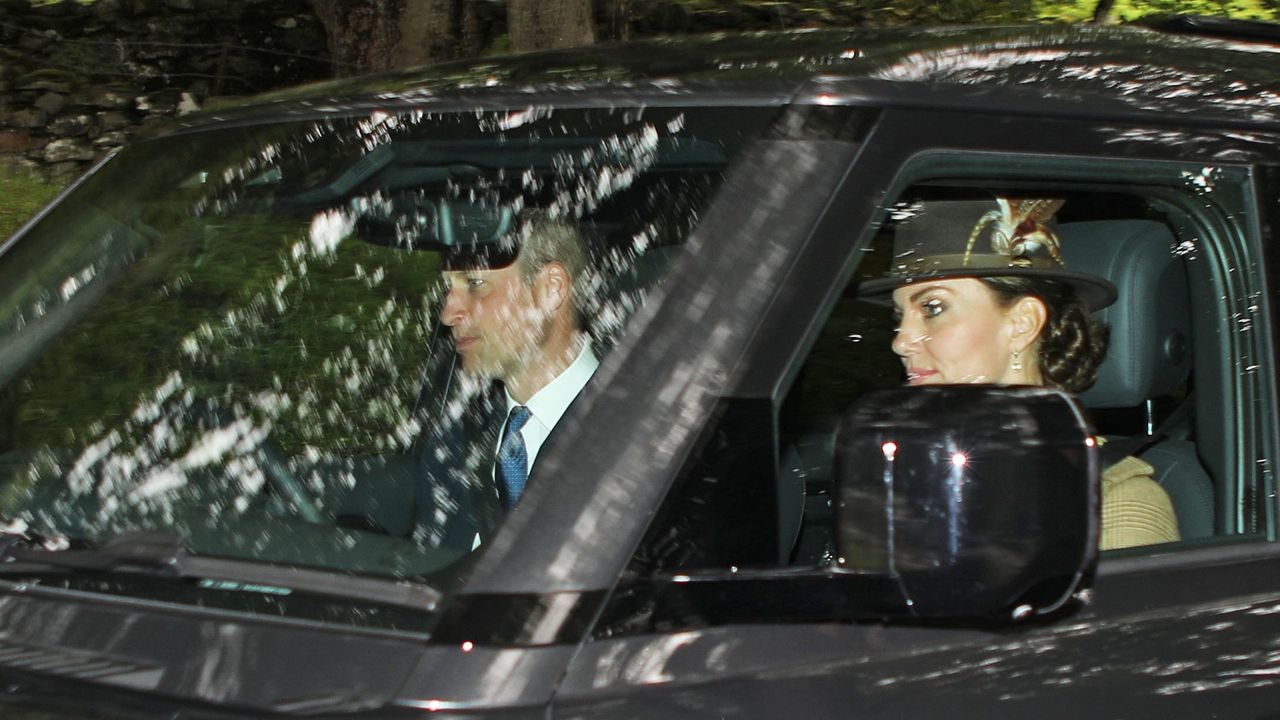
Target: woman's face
x=953, y=331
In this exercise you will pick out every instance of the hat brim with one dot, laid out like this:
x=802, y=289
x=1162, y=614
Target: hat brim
x=1095, y=292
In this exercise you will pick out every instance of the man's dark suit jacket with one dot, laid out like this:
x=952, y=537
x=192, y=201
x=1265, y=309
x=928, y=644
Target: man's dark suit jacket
x=441, y=492
x=444, y=495
x=455, y=496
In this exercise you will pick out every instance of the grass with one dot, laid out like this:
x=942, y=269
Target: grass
x=22, y=194
x=310, y=340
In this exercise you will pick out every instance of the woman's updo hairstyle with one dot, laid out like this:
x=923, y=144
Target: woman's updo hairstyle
x=1072, y=343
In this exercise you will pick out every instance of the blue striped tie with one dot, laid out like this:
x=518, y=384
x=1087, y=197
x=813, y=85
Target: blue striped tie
x=513, y=457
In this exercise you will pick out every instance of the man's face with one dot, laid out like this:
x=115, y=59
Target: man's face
x=495, y=322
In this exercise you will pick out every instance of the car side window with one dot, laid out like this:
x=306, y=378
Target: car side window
x=247, y=347
x=1173, y=399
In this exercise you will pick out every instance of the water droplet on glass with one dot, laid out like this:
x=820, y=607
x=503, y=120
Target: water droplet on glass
x=1185, y=248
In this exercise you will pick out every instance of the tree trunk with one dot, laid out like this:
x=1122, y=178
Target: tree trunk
x=546, y=24
x=474, y=35
x=1102, y=12
x=430, y=31
x=615, y=18
x=363, y=35
x=371, y=35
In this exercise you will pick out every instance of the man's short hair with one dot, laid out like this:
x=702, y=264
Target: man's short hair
x=546, y=239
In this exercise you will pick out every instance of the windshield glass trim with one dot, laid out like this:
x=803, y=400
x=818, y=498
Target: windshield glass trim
x=26, y=589
x=681, y=95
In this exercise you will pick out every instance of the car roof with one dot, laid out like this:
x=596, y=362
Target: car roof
x=1185, y=67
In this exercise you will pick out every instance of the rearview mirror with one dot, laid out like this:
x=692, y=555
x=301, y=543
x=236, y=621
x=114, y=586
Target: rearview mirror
x=458, y=227
x=976, y=501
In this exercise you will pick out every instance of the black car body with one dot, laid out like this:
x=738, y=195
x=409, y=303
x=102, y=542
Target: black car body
x=221, y=366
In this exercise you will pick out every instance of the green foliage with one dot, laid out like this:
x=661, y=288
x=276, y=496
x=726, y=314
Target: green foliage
x=1126, y=10
x=24, y=193
x=933, y=12
x=930, y=12
x=243, y=315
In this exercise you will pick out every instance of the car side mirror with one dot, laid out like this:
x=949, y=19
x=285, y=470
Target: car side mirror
x=975, y=501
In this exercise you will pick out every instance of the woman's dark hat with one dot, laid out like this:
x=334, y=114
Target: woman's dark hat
x=1001, y=237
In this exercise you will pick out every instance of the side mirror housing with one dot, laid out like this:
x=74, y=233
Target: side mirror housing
x=977, y=501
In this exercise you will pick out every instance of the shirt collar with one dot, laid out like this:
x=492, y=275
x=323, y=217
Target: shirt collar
x=550, y=403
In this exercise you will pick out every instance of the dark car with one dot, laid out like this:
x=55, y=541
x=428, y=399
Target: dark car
x=224, y=379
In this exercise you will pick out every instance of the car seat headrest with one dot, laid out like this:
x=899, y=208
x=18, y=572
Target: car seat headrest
x=1149, y=354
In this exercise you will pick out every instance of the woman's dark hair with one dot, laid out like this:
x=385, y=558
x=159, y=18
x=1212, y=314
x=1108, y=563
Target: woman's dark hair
x=1072, y=343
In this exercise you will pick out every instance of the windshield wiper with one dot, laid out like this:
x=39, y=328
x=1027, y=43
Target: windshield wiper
x=166, y=554
x=16, y=533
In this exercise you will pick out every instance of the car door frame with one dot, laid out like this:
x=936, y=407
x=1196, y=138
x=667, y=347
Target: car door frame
x=1144, y=605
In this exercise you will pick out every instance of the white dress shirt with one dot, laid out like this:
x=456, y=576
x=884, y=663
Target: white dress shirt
x=549, y=404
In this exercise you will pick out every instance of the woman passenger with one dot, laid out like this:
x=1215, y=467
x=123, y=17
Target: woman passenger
x=982, y=296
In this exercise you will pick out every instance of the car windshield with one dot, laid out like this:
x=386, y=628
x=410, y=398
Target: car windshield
x=233, y=336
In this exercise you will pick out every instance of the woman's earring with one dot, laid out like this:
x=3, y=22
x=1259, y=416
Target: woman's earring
x=1016, y=365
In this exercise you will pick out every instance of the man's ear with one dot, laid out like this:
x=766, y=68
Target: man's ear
x=552, y=286
x=1028, y=316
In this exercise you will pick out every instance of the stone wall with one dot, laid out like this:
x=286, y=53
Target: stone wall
x=80, y=78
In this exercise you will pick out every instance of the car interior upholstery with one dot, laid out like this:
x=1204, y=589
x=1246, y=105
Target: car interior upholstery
x=1149, y=355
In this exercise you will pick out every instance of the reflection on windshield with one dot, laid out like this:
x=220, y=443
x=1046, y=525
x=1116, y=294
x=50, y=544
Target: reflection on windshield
x=269, y=340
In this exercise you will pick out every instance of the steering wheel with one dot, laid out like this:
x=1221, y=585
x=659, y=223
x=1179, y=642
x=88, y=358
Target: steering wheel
x=289, y=492
x=288, y=496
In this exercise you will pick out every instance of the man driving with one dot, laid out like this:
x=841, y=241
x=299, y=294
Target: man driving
x=516, y=321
